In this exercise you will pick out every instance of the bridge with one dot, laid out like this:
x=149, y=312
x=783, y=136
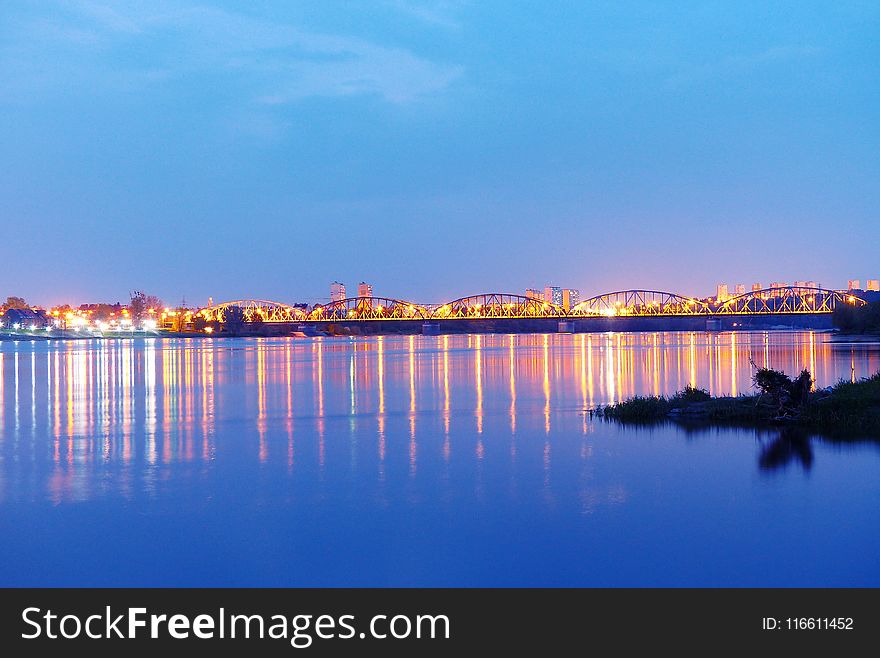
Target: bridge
x=770, y=301
x=790, y=300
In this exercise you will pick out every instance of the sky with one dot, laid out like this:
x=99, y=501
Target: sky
x=434, y=148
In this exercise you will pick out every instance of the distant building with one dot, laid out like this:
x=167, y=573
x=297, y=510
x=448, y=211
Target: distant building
x=534, y=293
x=721, y=293
x=801, y=284
x=24, y=318
x=570, y=298
x=553, y=295
x=873, y=285
x=739, y=289
x=337, y=291
x=756, y=287
x=854, y=284
x=775, y=288
x=365, y=290
x=112, y=308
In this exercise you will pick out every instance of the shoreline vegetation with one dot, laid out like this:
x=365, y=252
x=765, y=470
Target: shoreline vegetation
x=857, y=320
x=779, y=401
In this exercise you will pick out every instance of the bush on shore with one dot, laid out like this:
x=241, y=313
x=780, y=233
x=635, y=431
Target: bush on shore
x=857, y=319
x=851, y=406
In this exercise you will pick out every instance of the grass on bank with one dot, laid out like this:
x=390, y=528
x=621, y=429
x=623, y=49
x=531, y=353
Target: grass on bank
x=849, y=406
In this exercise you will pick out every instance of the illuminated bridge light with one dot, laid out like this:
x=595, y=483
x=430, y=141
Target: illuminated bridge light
x=496, y=305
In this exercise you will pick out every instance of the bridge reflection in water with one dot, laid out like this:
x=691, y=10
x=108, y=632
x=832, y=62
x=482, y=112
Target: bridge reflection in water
x=161, y=401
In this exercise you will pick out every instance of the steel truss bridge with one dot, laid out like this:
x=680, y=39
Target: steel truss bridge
x=789, y=300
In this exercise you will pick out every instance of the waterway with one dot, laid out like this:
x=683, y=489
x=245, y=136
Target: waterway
x=421, y=461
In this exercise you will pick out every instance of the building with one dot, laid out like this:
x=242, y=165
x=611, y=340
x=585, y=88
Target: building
x=24, y=318
x=337, y=291
x=756, y=287
x=570, y=298
x=534, y=293
x=775, y=288
x=873, y=285
x=365, y=290
x=854, y=284
x=721, y=293
x=553, y=295
x=739, y=289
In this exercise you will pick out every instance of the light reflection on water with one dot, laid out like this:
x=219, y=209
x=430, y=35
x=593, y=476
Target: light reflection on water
x=421, y=437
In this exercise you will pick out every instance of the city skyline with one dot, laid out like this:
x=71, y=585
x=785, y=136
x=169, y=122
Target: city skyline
x=560, y=296
x=429, y=147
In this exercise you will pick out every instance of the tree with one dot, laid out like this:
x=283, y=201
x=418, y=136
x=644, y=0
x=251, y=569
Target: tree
x=141, y=303
x=153, y=302
x=103, y=312
x=15, y=302
x=857, y=319
x=233, y=319
x=138, y=304
x=788, y=394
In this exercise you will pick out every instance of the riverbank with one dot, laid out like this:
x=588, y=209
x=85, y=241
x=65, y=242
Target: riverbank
x=135, y=335
x=19, y=336
x=850, y=407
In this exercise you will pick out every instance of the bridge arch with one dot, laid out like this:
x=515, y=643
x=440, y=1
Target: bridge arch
x=368, y=308
x=788, y=300
x=254, y=310
x=640, y=303
x=496, y=305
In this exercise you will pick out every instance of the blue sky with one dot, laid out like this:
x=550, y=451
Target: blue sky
x=435, y=148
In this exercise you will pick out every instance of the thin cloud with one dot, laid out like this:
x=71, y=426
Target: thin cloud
x=437, y=13
x=106, y=16
x=282, y=63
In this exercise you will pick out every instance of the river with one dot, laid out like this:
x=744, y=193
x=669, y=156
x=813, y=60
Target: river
x=421, y=461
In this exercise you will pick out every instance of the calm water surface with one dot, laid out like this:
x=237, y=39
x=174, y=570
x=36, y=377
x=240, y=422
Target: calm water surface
x=449, y=460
